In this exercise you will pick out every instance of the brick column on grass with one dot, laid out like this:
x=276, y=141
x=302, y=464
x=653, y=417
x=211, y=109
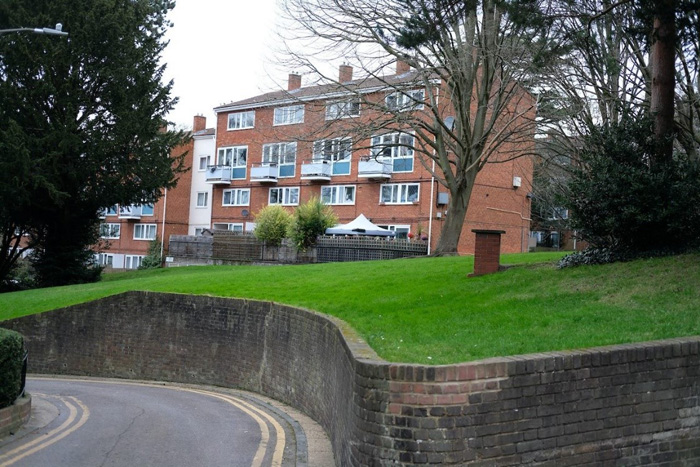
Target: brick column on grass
x=487, y=252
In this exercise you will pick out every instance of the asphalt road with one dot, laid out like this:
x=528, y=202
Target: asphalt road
x=114, y=423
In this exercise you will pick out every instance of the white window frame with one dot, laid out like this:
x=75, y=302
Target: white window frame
x=399, y=193
x=105, y=259
x=401, y=101
x=110, y=231
x=289, y=196
x=232, y=156
x=241, y=120
x=230, y=226
x=335, y=150
x=349, y=108
x=202, y=195
x=204, y=162
x=282, y=155
x=235, y=197
x=289, y=115
x=394, y=146
x=129, y=261
x=338, y=194
x=398, y=228
x=148, y=231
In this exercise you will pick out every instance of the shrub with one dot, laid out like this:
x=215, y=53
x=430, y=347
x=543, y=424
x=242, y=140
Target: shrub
x=311, y=219
x=271, y=224
x=11, y=357
x=153, y=258
x=622, y=198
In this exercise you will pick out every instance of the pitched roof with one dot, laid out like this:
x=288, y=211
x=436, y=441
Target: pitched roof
x=321, y=91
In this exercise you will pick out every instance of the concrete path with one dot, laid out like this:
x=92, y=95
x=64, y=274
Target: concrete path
x=102, y=422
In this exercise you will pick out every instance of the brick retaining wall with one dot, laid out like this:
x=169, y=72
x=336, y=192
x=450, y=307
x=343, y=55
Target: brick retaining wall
x=621, y=405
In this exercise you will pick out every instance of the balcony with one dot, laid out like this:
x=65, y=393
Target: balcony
x=371, y=168
x=132, y=212
x=264, y=173
x=219, y=174
x=316, y=170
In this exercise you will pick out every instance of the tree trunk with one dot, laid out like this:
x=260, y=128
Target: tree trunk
x=663, y=83
x=454, y=221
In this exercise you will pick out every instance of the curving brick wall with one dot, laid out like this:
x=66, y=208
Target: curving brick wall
x=629, y=405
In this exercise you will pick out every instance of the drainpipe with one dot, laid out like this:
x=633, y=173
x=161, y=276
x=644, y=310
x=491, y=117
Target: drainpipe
x=162, y=236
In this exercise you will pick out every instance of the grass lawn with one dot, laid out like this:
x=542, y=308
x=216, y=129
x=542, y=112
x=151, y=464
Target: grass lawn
x=425, y=310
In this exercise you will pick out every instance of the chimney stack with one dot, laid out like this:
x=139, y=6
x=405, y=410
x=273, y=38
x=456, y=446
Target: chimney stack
x=402, y=67
x=345, y=74
x=200, y=123
x=294, y=81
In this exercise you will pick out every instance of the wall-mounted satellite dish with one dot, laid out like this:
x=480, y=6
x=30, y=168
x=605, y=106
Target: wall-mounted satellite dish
x=244, y=213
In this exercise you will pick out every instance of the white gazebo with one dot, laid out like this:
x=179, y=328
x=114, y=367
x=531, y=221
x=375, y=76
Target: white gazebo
x=360, y=226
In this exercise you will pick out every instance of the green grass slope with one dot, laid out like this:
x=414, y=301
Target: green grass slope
x=425, y=310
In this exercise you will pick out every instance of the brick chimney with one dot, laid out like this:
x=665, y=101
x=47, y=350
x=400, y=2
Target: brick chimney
x=402, y=67
x=345, y=73
x=294, y=81
x=200, y=123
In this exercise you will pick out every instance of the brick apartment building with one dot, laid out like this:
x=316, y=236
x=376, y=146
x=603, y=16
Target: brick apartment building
x=280, y=148
x=127, y=231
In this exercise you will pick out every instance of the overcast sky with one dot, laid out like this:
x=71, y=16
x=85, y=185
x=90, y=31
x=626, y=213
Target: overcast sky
x=220, y=51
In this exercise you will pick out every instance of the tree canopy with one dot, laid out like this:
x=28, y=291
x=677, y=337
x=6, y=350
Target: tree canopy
x=82, y=125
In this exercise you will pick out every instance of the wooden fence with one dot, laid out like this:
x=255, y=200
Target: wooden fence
x=235, y=247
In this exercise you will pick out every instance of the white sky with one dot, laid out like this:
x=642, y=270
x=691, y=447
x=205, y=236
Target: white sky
x=220, y=51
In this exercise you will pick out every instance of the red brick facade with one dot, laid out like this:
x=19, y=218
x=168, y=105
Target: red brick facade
x=496, y=202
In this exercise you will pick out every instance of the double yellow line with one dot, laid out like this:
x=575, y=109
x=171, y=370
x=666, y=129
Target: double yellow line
x=261, y=417
x=78, y=414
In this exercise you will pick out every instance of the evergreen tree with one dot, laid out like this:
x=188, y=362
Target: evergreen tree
x=86, y=116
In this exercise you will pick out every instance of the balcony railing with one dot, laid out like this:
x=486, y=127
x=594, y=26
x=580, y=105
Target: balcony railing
x=264, y=173
x=370, y=167
x=316, y=170
x=219, y=174
x=130, y=212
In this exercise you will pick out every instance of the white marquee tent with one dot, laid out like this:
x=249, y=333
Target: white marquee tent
x=360, y=226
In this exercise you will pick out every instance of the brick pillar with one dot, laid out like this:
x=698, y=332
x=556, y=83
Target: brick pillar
x=487, y=252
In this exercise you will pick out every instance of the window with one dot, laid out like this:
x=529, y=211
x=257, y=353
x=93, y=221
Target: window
x=401, y=230
x=284, y=155
x=147, y=210
x=399, y=193
x=234, y=157
x=144, y=231
x=132, y=261
x=236, y=197
x=204, y=161
x=342, y=109
x=559, y=213
x=338, y=151
x=341, y=194
x=394, y=147
x=198, y=232
x=229, y=227
x=241, y=120
x=110, y=230
x=104, y=259
x=405, y=100
x=284, y=196
x=289, y=115
x=202, y=199
x=112, y=210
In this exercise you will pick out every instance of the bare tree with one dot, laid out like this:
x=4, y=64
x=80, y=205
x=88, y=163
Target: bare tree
x=472, y=59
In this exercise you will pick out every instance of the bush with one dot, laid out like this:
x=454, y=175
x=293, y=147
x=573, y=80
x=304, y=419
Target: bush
x=311, y=219
x=622, y=198
x=11, y=358
x=271, y=224
x=153, y=258
x=21, y=277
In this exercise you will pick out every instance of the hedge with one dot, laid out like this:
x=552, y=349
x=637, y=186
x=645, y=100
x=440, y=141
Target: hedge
x=11, y=357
